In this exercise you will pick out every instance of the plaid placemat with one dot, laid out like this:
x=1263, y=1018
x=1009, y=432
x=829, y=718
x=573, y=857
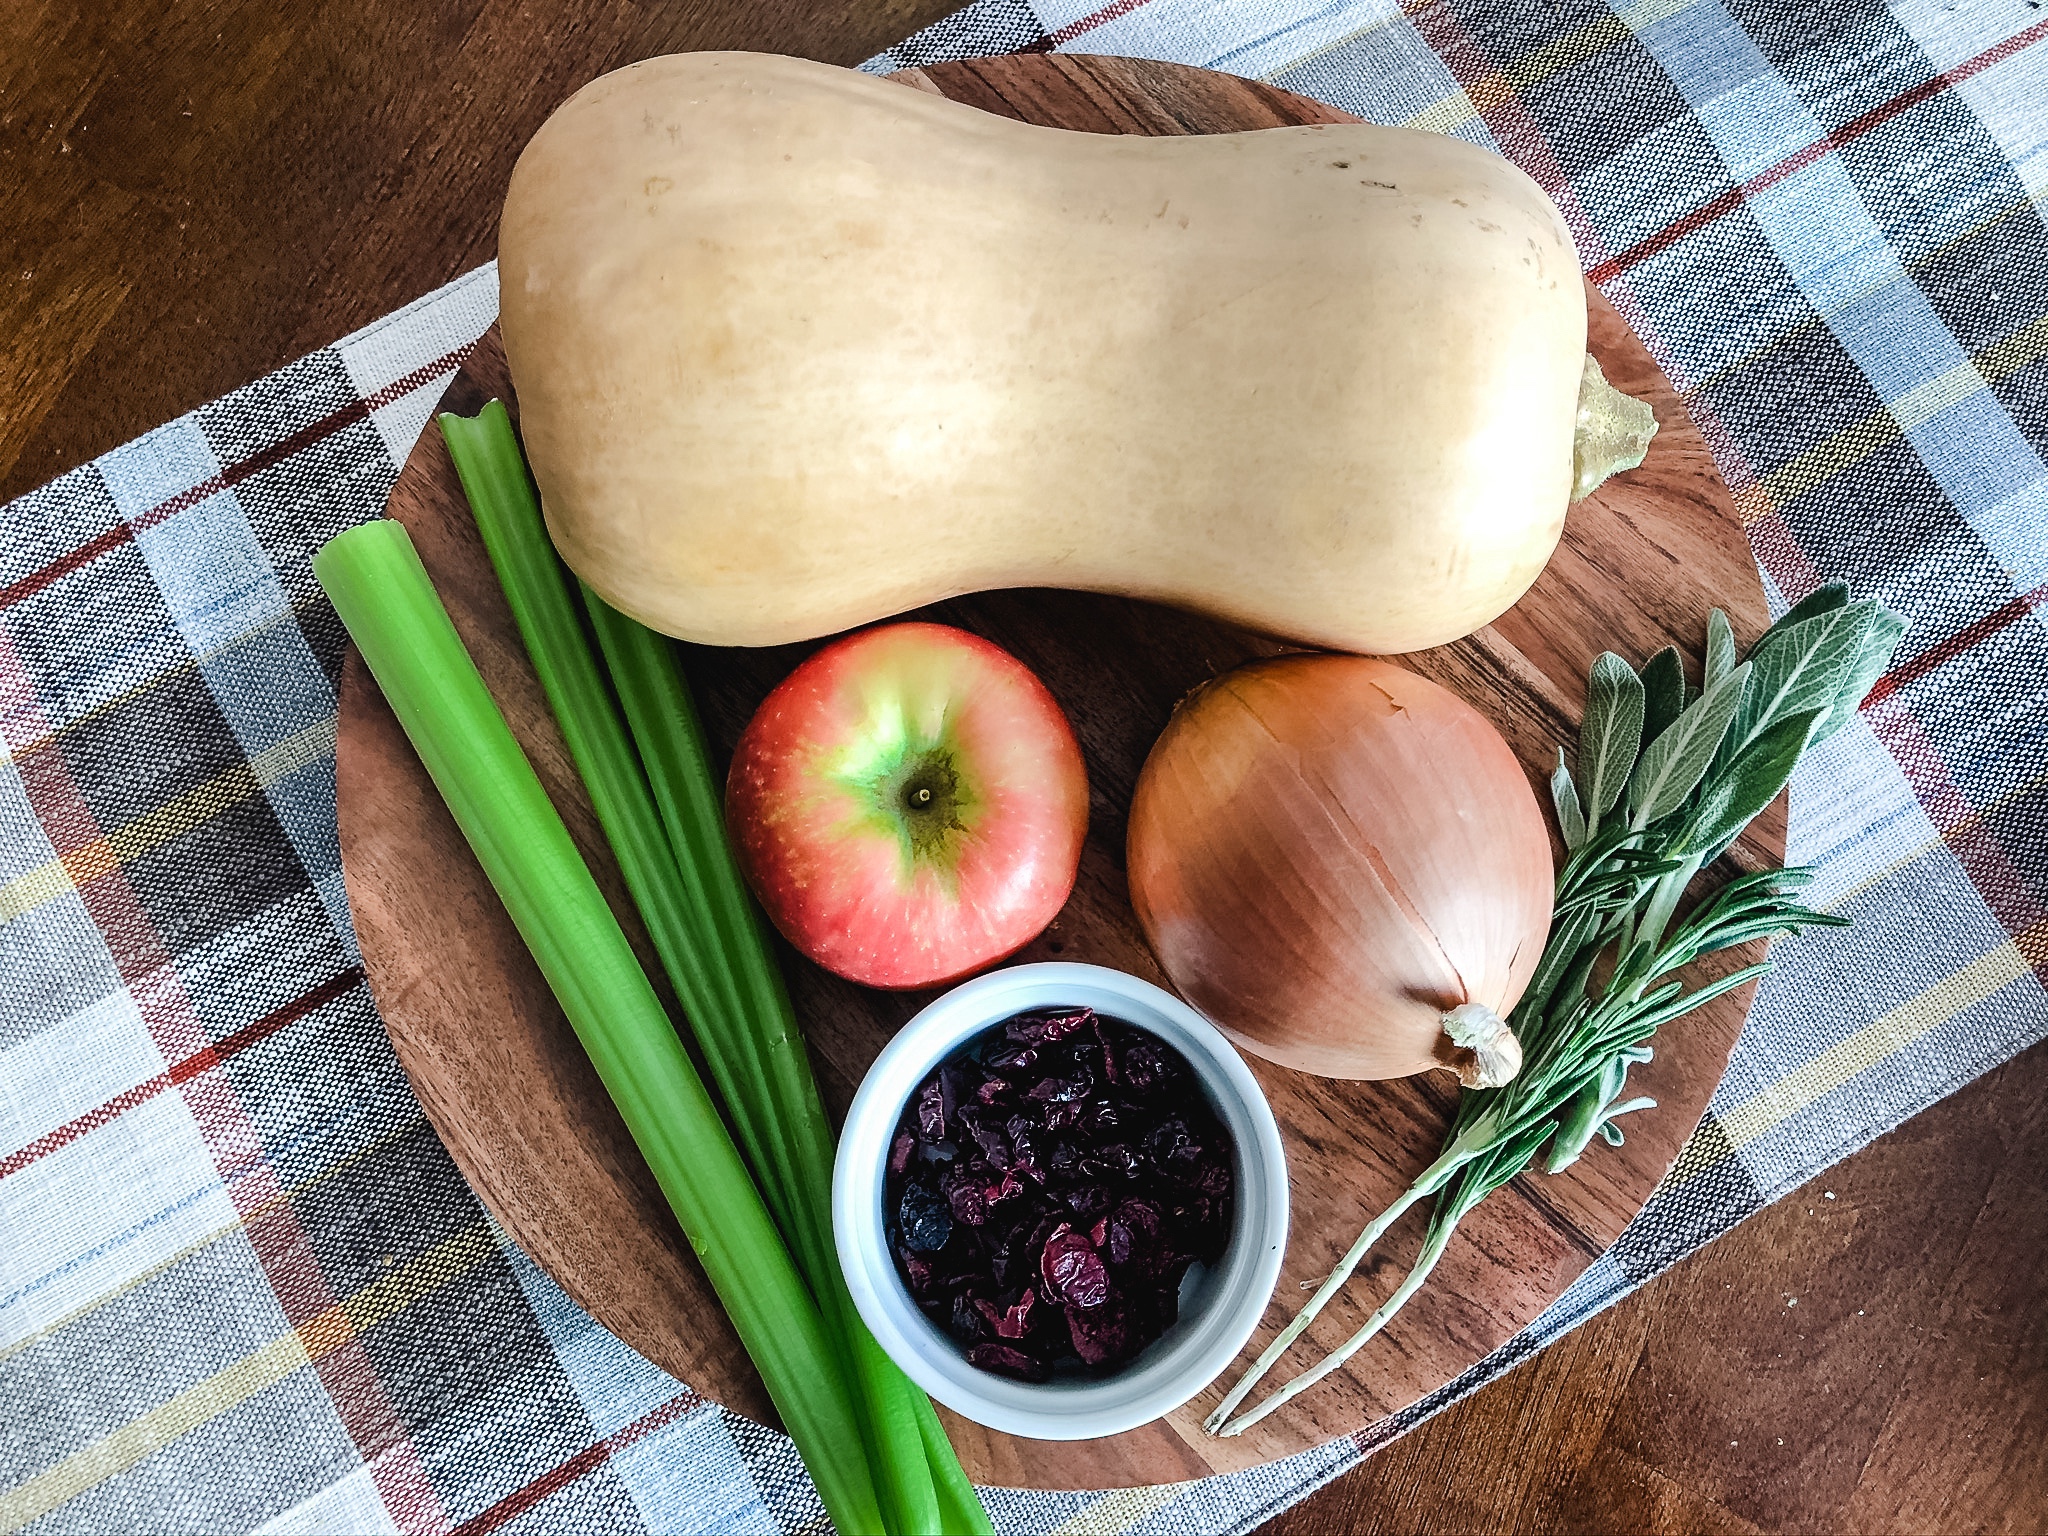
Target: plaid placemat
x=242, y=1286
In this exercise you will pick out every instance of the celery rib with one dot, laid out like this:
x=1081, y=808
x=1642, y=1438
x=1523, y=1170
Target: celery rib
x=665, y=726
x=653, y=783
x=388, y=604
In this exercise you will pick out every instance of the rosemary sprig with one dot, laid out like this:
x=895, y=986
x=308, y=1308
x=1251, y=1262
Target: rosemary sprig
x=1668, y=777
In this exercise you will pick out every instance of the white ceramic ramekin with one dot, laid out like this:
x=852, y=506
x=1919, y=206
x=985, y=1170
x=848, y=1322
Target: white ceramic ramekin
x=1218, y=1313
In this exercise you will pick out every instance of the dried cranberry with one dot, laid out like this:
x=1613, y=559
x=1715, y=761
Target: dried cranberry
x=1130, y=1233
x=965, y=1322
x=1102, y=1334
x=923, y=1218
x=1212, y=1179
x=965, y=1195
x=1102, y=1038
x=1145, y=1066
x=1114, y=1160
x=1011, y=1322
x=1038, y=1028
x=900, y=1150
x=1087, y=1201
x=931, y=1111
x=1007, y=1360
x=1072, y=1269
x=917, y=1274
x=1169, y=1145
x=1063, y=1117
x=1017, y=1263
x=1059, y=1090
x=1096, y=1120
x=957, y=1081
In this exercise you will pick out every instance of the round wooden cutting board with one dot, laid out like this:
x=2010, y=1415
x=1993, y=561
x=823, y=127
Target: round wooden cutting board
x=511, y=1094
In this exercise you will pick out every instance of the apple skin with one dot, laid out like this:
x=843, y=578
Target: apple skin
x=909, y=805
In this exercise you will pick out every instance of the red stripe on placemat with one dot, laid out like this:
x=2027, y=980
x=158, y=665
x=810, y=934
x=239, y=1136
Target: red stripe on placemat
x=150, y=975
x=1727, y=202
x=264, y=458
x=1506, y=118
x=1943, y=652
x=584, y=1462
x=1778, y=550
x=64, y=565
x=1983, y=858
x=1088, y=23
x=204, y=1059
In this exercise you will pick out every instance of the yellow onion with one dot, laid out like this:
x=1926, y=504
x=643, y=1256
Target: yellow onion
x=1344, y=866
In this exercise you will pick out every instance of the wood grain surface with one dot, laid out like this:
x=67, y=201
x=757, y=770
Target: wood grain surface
x=192, y=195
x=1642, y=563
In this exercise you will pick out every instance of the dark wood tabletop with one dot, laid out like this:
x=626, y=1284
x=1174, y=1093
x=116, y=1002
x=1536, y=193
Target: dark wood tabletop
x=194, y=194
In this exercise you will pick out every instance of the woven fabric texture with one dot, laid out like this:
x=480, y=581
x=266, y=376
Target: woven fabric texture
x=242, y=1286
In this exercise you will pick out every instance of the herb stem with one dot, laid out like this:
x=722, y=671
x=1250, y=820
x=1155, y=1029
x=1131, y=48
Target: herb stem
x=1664, y=897
x=1471, y=1143
x=1435, y=1240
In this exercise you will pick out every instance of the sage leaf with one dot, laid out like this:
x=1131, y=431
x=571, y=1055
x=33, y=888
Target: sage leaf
x=1609, y=1131
x=1822, y=599
x=1750, y=782
x=1880, y=640
x=1673, y=765
x=1802, y=667
x=1575, y=1129
x=1571, y=817
x=1610, y=735
x=1595, y=1106
x=1664, y=697
x=1720, y=649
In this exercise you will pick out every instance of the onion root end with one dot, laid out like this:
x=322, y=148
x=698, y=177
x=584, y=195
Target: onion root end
x=1478, y=1045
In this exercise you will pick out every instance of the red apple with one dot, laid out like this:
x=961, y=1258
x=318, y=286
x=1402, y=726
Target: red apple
x=909, y=805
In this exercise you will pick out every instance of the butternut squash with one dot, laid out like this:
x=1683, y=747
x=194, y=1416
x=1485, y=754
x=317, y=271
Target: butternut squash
x=797, y=349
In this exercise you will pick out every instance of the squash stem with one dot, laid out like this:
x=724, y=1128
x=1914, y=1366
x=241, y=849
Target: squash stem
x=1612, y=434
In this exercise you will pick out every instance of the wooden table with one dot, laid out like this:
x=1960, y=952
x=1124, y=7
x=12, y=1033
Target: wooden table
x=193, y=195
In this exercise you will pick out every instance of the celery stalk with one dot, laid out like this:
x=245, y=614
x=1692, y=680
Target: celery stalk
x=385, y=599
x=537, y=590
x=664, y=724
x=711, y=938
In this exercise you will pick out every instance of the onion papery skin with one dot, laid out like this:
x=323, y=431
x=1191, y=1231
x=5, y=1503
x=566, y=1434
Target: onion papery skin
x=1328, y=852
